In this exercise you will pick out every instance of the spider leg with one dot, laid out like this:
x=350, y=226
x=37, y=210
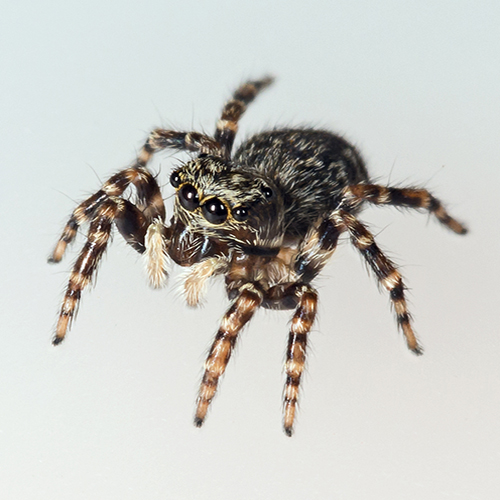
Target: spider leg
x=302, y=322
x=403, y=197
x=150, y=201
x=240, y=312
x=194, y=142
x=227, y=126
x=111, y=210
x=131, y=224
x=317, y=247
x=385, y=271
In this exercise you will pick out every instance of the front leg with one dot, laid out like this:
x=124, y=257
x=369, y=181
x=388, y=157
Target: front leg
x=132, y=225
x=240, y=312
x=149, y=198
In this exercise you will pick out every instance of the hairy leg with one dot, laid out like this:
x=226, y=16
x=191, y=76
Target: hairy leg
x=112, y=210
x=385, y=271
x=240, y=312
x=302, y=322
x=403, y=197
x=227, y=126
x=149, y=201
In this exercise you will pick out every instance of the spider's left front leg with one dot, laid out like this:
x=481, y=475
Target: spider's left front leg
x=242, y=309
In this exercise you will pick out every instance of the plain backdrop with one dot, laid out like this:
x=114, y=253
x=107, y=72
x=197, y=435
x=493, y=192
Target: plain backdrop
x=108, y=414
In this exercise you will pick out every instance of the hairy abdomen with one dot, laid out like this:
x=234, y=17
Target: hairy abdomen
x=309, y=167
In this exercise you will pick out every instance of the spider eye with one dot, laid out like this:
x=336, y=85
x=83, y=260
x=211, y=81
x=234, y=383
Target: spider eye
x=240, y=213
x=189, y=198
x=268, y=192
x=214, y=211
x=175, y=179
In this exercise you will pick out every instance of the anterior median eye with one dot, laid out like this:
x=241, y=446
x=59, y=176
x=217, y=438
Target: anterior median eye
x=189, y=198
x=214, y=211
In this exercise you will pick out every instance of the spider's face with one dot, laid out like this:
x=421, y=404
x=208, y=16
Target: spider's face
x=222, y=202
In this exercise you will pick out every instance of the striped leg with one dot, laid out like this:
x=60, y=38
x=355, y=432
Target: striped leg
x=302, y=322
x=150, y=201
x=233, y=321
x=194, y=142
x=404, y=197
x=384, y=270
x=227, y=126
x=86, y=265
x=316, y=249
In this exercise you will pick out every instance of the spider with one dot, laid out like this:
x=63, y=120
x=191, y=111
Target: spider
x=267, y=217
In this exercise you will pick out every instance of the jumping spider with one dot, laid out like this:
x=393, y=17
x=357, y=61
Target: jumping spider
x=267, y=217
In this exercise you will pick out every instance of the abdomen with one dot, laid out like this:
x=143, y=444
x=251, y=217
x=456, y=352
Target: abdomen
x=310, y=168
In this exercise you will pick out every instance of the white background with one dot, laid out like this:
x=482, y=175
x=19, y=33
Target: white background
x=108, y=414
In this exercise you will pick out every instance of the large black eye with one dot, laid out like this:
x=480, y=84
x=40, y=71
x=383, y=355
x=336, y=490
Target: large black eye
x=175, y=180
x=214, y=211
x=188, y=196
x=268, y=192
x=240, y=213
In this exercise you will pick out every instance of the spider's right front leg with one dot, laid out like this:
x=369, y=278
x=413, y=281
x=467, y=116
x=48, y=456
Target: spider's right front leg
x=125, y=215
x=150, y=201
x=106, y=206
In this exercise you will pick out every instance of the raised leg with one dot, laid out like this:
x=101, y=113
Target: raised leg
x=385, y=271
x=240, y=312
x=302, y=322
x=227, y=126
x=403, y=197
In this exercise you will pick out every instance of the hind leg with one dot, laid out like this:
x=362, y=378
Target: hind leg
x=403, y=197
x=227, y=126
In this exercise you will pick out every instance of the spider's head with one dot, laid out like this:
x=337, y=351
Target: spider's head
x=218, y=200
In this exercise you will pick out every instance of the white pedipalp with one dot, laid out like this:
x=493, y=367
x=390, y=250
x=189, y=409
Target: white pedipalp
x=157, y=259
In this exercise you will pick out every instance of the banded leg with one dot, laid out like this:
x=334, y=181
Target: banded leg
x=150, y=202
x=404, y=197
x=317, y=248
x=233, y=321
x=227, y=126
x=148, y=192
x=133, y=228
x=302, y=322
x=385, y=271
x=194, y=142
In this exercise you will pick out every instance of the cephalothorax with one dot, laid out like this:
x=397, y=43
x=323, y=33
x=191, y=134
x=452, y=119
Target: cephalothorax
x=268, y=218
